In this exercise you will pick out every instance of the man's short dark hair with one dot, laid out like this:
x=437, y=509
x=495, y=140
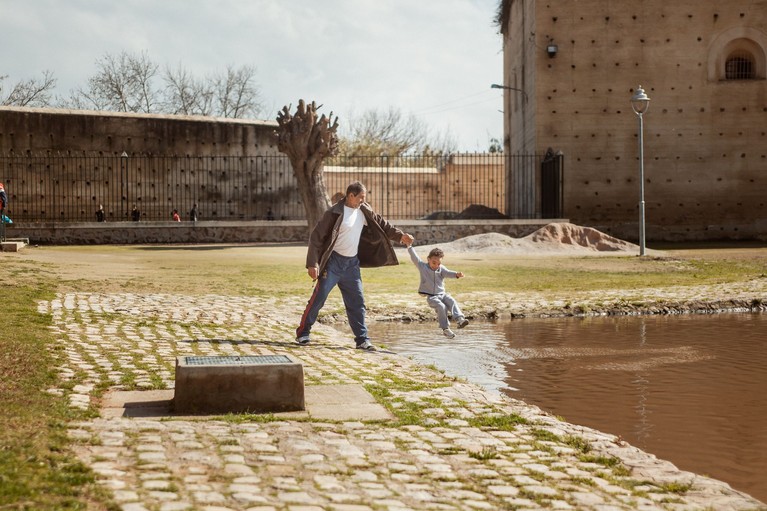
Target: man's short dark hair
x=436, y=252
x=355, y=188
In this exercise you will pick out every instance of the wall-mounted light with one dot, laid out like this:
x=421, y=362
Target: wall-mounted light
x=551, y=50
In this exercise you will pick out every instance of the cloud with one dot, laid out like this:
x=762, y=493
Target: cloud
x=434, y=58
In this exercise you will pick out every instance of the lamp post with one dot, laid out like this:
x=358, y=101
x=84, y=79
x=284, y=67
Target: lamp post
x=497, y=86
x=124, y=183
x=640, y=103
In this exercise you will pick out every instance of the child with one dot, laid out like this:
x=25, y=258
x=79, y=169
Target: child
x=432, y=286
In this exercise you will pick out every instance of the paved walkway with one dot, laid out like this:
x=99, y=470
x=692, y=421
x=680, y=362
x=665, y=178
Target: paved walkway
x=452, y=447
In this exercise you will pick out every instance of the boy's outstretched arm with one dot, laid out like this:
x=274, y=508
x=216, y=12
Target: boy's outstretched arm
x=413, y=255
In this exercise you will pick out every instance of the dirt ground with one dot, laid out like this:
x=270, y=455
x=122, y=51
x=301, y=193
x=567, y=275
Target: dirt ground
x=253, y=268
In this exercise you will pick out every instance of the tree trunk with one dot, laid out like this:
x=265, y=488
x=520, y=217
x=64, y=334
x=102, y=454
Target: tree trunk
x=307, y=141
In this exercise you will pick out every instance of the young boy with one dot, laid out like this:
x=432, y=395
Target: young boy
x=432, y=286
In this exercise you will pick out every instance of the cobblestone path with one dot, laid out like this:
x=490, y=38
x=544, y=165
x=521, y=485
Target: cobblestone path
x=452, y=447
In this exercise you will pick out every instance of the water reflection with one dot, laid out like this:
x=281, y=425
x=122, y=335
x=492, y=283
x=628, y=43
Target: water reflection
x=690, y=389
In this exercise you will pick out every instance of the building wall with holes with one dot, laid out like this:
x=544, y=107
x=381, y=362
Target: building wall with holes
x=703, y=65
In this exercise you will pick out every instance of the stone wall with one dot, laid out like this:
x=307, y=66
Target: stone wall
x=91, y=233
x=59, y=131
x=705, y=138
x=60, y=165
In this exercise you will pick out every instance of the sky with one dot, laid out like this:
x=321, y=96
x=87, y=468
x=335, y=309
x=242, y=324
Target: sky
x=434, y=59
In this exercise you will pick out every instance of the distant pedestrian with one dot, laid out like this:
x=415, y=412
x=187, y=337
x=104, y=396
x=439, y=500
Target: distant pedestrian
x=3, y=199
x=175, y=216
x=4, y=219
x=135, y=214
x=101, y=215
x=432, y=286
x=193, y=213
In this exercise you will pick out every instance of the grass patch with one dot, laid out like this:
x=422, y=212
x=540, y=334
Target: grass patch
x=507, y=422
x=676, y=488
x=37, y=471
x=485, y=454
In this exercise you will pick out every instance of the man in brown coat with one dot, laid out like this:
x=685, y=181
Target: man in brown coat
x=350, y=235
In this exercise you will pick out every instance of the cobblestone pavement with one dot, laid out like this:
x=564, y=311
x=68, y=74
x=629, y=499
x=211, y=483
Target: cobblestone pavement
x=453, y=447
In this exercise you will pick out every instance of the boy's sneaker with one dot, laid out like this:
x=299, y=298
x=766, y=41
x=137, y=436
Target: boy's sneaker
x=463, y=323
x=448, y=333
x=303, y=340
x=366, y=346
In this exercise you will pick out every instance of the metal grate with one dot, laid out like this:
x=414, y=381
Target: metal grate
x=262, y=359
x=740, y=66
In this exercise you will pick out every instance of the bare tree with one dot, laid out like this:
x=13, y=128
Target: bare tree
x=390, y=132
x=236, y=93
x=122, y=83
x=307, y=141
x=184, y=94
x=32, y=92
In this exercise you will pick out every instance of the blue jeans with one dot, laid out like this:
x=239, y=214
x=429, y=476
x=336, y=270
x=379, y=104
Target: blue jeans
x=344, y=272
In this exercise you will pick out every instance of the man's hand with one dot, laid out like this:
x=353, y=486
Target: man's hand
x=407, y=239
x=313, y=272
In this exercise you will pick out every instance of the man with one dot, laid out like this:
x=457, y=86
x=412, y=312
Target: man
x=349, y=235
x=3, y=218
x=3, y=199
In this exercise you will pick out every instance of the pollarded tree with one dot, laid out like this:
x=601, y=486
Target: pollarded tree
x=307, y=141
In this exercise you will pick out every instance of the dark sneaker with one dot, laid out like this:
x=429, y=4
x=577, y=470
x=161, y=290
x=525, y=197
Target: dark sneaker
x=463, y=323
x=303, y=340
x=366, y=346
x=448, y=333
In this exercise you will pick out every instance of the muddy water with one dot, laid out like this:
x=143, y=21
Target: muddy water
x=689, y=389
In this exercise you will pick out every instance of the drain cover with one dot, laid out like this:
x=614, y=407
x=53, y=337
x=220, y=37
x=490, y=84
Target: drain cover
x=244, y=360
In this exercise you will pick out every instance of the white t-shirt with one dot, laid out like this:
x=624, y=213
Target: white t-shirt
x=350, y=231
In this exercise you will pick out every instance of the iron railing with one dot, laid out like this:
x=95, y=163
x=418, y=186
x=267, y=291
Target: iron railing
x=65, y=188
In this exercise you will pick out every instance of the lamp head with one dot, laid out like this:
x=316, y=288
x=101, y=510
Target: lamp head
x=639, y=101
x=551, y=50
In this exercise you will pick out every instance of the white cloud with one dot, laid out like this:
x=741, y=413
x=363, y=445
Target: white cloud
x=435, y=58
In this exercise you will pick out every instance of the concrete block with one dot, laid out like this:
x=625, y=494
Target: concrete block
x=257, y=384
x=11, y=246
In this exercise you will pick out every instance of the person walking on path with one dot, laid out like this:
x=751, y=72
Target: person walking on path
x=432, y=286
x=3, y=217
x=101, y=215
x=350, y=235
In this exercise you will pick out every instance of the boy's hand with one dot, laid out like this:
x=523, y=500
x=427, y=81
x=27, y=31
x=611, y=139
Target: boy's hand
x=459, y=275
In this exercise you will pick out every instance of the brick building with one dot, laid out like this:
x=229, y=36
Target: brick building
x=570, y=69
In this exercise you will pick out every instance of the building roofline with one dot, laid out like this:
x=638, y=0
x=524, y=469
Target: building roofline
x=104, y=113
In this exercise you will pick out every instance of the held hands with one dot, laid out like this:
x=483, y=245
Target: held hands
x=407, y=239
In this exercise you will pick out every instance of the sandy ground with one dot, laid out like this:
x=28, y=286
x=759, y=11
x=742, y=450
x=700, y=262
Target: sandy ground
x=172, y=269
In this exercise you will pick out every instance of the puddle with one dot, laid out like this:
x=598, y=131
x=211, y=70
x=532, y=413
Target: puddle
x=690, y=389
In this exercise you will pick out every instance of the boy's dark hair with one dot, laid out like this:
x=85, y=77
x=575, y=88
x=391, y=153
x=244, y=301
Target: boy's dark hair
x=436, y=252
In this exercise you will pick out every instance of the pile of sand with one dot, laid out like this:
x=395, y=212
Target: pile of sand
x=553, y=239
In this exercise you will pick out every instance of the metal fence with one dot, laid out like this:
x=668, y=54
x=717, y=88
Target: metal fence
x=64, y=188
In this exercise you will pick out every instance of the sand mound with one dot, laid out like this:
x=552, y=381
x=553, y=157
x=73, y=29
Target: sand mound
x=553, y=239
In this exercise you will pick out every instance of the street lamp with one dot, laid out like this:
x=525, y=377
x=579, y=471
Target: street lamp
x=124, y=182
x=496, y=86
x=640, y=103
